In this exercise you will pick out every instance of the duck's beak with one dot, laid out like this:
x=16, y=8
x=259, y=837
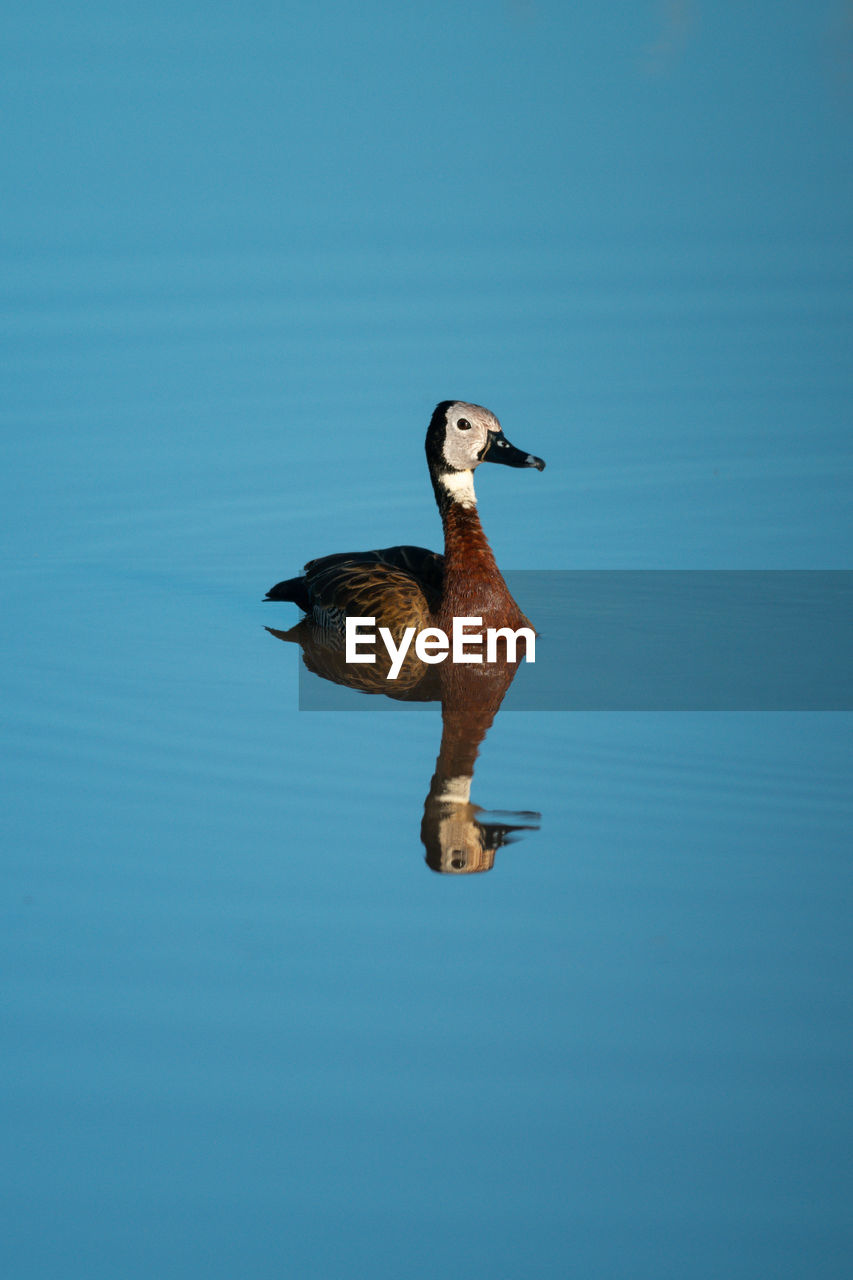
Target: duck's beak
x=499, y=449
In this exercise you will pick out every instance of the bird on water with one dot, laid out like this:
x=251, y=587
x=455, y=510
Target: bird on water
x=410, y=586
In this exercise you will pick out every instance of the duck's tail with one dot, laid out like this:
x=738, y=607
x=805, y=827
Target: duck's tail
x=294, y=589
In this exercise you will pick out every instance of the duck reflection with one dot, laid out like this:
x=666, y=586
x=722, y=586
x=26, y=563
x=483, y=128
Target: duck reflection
x=459, y=836
x=410, y=589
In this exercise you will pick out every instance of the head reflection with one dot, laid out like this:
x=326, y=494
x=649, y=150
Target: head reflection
x=459, y=842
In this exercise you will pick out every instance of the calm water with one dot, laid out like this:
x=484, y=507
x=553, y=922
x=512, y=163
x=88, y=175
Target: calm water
x=247, y=1030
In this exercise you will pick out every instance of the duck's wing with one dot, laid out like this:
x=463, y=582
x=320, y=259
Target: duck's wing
x=394, y=584
x=387, y=583
x=350, y=587
x=427, y=567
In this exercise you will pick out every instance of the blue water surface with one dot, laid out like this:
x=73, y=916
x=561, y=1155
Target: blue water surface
x=246, y=1030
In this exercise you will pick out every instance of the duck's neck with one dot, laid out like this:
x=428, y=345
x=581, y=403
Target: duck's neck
x=473, y=584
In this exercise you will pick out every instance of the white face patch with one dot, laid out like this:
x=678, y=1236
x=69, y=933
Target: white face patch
x=460, y=486
x=464, y=443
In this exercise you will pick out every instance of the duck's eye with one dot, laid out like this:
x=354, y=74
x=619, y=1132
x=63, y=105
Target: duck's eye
x=463, y=424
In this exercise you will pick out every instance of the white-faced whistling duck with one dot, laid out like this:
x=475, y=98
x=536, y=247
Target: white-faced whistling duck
x=410, y=586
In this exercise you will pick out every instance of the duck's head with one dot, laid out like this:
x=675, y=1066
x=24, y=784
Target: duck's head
x=459, y=438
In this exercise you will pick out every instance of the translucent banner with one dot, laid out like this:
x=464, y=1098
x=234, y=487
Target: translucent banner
x=647, y=640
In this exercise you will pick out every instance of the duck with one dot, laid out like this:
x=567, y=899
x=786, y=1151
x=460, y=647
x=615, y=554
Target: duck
x=406, y=586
